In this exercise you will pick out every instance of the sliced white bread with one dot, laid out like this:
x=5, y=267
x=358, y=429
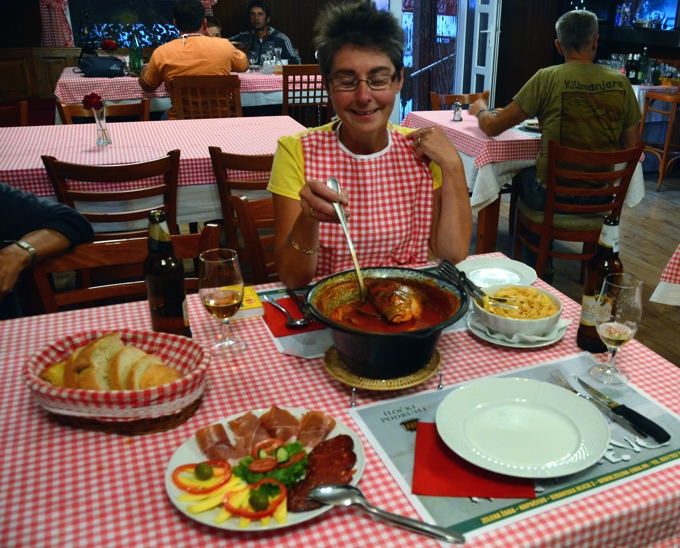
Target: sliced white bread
x=119, y=368
x=90, y=368
x=150, y=371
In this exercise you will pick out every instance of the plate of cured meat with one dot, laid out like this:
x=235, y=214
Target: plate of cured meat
x=252, y=471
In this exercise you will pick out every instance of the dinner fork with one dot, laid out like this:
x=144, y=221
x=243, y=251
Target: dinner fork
x=452, y=273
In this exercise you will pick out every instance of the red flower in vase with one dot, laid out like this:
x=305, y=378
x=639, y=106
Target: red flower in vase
x=109, y=45
x=92, y=101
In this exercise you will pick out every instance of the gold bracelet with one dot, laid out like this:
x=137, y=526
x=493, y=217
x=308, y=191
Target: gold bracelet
x=298, y=247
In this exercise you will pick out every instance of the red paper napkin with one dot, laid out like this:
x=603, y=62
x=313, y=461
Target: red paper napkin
x=438, y=471
x=276, y=320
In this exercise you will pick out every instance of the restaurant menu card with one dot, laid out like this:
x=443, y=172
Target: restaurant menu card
x=391, y=427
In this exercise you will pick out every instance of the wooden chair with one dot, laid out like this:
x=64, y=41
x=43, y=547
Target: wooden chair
x=255, y=221
x=139, y=111
x=441, y=100
x=14, y=115
x=248, y=228
x=575, y=222
x=111, y=253
x=206, y=96
x=665, y=104
x=96, y=192
x=304, y=95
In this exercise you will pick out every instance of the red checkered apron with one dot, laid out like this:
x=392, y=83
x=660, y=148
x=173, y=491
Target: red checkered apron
x=390, y=202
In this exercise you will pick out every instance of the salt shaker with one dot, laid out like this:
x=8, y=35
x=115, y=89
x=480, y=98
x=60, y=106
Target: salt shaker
x=457, y=111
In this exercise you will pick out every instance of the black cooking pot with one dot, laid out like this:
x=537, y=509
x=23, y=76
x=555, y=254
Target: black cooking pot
x=385, y=355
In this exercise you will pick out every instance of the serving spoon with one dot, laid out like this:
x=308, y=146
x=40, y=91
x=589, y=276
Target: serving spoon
x=348, y=495
x=291, y=322
x=333, y=184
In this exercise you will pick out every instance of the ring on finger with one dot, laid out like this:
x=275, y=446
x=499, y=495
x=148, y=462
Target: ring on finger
x=312, y=212
x=419, y=140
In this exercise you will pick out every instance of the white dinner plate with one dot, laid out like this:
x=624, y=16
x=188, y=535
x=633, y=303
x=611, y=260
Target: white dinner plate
x=475, y=326
x=486, y=271
x=531, y=125
x=189, y=453
x=522, y=427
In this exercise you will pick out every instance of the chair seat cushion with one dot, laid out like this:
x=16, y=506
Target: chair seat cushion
x=562, y=220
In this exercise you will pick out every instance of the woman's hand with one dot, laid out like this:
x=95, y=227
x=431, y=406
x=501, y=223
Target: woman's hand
x=432, y=143
x=316, y=201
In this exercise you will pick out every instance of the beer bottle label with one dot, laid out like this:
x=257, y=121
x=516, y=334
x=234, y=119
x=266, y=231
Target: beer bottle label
x=609, y=237
x=185, y=313
x=588, y=310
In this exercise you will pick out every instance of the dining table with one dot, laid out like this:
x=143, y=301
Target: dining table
x=667, y=290
x=103, y=489
x=492, y=162
x=21, y=149
x=257, y=89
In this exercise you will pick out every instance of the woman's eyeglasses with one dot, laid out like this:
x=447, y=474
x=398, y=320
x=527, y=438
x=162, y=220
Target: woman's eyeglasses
x=377, y=82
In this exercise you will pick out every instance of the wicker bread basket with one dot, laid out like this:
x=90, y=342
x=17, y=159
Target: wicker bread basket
x=124, y=411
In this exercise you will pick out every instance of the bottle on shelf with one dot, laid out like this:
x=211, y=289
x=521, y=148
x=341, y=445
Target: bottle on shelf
x=164, y=276
x=605, y=261
x=136, y=59
x=643, y=71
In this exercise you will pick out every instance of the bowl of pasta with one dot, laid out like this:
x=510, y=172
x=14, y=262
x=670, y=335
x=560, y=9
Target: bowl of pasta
x=537, y=310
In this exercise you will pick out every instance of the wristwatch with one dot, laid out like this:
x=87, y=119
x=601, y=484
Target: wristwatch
x=28, y=248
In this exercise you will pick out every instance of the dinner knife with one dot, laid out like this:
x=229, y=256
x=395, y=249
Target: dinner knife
x=641, y=423
x=558, y=379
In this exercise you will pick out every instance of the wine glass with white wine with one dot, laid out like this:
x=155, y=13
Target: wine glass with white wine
x=618, y=312
x=220, y=286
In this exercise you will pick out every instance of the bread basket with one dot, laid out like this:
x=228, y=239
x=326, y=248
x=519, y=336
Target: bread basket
x=124, y=411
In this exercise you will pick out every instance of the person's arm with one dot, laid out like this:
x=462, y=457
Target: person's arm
x=451, y=229
x=496, y=122
x=239, y=60
x=630, y=137
x=13, y=258
x=299, y=206
x=288, y=51
x=150, y=77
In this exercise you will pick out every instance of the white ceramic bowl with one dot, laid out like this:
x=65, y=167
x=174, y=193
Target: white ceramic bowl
x=121, y=406
x=512, y=326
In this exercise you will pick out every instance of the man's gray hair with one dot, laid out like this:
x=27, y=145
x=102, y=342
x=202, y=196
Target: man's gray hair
x=576, y=29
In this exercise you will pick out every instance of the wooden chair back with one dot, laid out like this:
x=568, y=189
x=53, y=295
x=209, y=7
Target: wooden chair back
x=139, y=111
x=118, y=210
x=304, y=95
x=255, y=221
x=249, y=174
x=206, y=96
x=575, y=176
x=14, y=115
x=444, y=101
x=112, y=253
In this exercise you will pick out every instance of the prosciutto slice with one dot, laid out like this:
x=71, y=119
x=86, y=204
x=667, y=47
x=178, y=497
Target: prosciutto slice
x=314, y=427
x=280, y=424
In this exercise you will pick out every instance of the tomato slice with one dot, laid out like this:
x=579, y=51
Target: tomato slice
x=269, y=446
x=295, y=457
x=185, y=478
x=262, y=466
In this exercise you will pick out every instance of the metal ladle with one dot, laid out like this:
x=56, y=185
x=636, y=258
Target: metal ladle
x=347, y=495
x=333, y=184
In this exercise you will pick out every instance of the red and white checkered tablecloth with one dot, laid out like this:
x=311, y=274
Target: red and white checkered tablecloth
x=668, y=289
x=671, y=273
x=21, y=147
x=470, y=140
x=68, y=487
x=72, y=86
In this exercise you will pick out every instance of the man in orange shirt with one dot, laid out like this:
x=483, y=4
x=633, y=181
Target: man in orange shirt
x=194, y=53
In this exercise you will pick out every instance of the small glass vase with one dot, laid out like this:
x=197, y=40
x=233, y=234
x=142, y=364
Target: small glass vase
x=103, y=138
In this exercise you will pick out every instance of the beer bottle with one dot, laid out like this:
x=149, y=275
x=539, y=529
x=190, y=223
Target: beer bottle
x=605, y=261
x=164, y=276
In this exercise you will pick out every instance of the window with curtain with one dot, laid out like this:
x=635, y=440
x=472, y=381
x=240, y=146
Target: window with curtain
x=96, y=20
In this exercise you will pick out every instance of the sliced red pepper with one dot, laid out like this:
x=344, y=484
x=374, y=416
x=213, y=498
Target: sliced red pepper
x=274, y=503
x=269, y=446
x=221, y=471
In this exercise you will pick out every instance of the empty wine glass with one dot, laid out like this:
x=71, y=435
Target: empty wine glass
x=618, y=310
x=253, y=59
x=220, y=287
